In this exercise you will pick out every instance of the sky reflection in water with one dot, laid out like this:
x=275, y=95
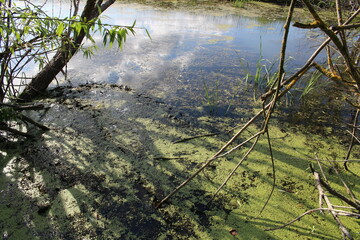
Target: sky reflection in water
x=186, y=50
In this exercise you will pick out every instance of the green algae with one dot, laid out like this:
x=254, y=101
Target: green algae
x=224, y=27
x=218, y=39
x=99, y=177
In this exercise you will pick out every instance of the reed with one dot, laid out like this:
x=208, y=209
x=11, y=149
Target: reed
x=211, y=97
x=311, y=84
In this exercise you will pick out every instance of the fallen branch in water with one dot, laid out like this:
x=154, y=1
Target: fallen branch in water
x=198, y=136
x=29, y=120
x=320, y=185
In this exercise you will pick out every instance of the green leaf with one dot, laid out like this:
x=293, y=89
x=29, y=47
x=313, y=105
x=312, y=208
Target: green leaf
x=99, y=9
x=147, y=32
x=60, y=29
x=120, y=39
x=78, y=28
x=112, y=33
x=105, y=39
x=17, y=35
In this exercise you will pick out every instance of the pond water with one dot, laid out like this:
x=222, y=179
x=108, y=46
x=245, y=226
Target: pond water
x=110, y=153
x=192, y=58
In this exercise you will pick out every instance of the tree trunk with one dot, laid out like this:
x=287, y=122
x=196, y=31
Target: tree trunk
x=46, y=75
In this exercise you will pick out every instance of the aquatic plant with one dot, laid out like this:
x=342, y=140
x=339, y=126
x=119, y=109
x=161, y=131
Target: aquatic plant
x=311, y=84
x=240, y=3
x=211, y=97
x=264, y=76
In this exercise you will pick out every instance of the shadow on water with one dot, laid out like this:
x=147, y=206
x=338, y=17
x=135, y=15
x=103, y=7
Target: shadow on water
x=109, y=156
x=97, y=173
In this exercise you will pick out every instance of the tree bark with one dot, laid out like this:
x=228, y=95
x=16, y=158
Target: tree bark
x=46, y=75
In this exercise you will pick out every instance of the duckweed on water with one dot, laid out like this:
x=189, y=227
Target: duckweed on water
x=105, y=162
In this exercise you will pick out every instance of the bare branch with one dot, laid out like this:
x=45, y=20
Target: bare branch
x=14, y=131
x=304, y=214
x=23, y=107
x=353, y=137
x=345, y=27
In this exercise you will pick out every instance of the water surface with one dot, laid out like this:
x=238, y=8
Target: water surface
x=190, y=54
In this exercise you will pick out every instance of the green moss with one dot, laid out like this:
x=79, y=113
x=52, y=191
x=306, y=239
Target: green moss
x=102, y=175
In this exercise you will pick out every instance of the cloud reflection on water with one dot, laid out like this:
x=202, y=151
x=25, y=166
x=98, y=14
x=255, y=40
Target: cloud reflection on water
x=181, y=42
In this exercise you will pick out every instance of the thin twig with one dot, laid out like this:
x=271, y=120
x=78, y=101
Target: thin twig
x=353, y=137
x=339, y=195
x=304, y=214
x=345, y=27
x=345, y=185
x=321, y=168
x=321, y=192
x=273, y=176
x=197, y=136
x=168, y=158
x=14, y=131
x=234, y=169
x=211, y=159
x=308, y=63
x=22, y=107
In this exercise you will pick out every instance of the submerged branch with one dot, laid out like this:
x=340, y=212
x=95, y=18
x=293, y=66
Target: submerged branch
x=198, y=136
